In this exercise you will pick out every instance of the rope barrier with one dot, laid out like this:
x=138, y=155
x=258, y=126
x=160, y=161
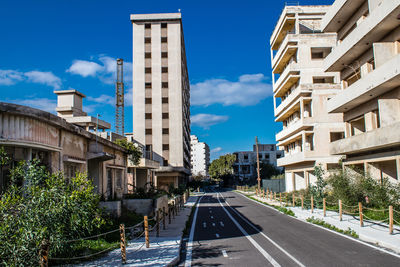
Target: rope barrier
x=135, y=226
x=356, y=206
x=375, y=209
x=375, y=221
x=85, y=238
x=86, y=256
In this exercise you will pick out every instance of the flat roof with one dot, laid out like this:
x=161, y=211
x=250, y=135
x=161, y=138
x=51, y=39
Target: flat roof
x=158, y=16
x=69, y=92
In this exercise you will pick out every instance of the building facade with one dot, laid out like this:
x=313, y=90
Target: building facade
x=199, y=156
x=366, y=55
x=27, y=133
x=161, y=94
x=301, y=90
x=245, y=169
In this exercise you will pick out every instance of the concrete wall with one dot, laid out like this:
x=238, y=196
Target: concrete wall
x=140, y=206
x=112, y=207
x=276, y=185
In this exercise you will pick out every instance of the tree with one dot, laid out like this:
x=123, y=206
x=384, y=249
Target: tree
x=47, y=207
x=4, y=161
x=134, y=152
x=222, y=167
x=318, y=189
x=267, y=170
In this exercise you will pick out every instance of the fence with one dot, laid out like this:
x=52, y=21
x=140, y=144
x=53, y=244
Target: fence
x=276, y=185
x=131, y=233
x=358, y=211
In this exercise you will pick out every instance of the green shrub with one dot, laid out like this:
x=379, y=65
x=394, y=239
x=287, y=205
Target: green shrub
x=322, y=223
x=47, y=207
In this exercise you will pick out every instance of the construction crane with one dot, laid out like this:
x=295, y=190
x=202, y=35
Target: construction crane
x=119, y=98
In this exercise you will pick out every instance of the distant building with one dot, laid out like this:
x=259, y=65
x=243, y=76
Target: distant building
x=200, y=156
x=366, y=54
x=245, y=165
x=301, y=90
x=161, y=95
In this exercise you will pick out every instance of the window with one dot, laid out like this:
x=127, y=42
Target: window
x=164, y=39
x=165, y=115
x=353, y=78
x=164, y=69
x=163, y=25
x=245, y=157
x=164, y=84
x=147, y=26
x=320, y=52
x=164, y=54
x=147, y=55
x=148, y=131
x=147, y=116
x=164, y=100
x=165, y=131
x=147, y=85
x=165, y=147
x=328, y=79
x=147, y=100
x=118, y=176
x=357, y=126
x=336, y=136
x=147, y=70
x=147, y=40
x=165, y=162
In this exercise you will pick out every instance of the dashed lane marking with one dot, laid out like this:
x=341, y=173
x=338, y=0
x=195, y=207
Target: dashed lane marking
x=224, y=253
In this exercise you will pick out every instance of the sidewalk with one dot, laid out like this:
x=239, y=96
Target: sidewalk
x=372, y=232
x=163, y=250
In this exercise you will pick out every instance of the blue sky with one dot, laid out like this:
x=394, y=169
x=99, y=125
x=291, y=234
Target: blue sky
x=47, y=45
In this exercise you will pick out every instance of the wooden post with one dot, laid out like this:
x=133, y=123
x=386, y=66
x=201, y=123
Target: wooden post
x=163, y=217
x=122, y=242
x=391, y=219
x=312, y=204
x=360, y=214
x=293, y=199
x=275, y=196
x=157, y=223
x=324, y=206
x=302, y=202
x=280, y=199
x=340, y=209
x=267, y=191
x=169, y=214
x=44, y=253
x=146, y=231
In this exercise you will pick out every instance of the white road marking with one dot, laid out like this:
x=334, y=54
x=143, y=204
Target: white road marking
x=188, y=261
x=221, y=223
x=217, y=235
x=212, y=217
x=252, y=241
x=204, y=225
x=264, y=235
x=213, y=224
x=224, y=253
x=210, y=211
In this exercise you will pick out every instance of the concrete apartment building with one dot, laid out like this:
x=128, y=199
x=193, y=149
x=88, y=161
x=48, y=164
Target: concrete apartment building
x=161, y=94
x=366, y=54
x=245, y=165
x=301, y=90
x=199, y=156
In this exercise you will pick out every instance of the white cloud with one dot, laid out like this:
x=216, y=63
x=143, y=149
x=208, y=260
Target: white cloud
x=105, y=69
x=102, y=99
x=249, y=90
x=10, y=77
x=129, y=97
x=207, y=120
x=85, y=68
x=45, y=104
x=216, y=150
x=42, y=77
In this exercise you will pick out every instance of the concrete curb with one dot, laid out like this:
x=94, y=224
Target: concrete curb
x=177, y=259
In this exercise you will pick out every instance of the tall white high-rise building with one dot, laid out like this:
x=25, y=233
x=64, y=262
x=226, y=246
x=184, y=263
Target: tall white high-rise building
x=161, y=95
x=200, y=156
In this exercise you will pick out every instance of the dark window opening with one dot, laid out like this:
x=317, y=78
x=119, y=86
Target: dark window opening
x=164, y=85
x=164, y=69
x=165, y=147
x=164, y=39
x=147, y=55
x=148, y=116
x=164, y=54
x=147, y=100
x=148, y=131
x=147, y=85
x=147, y=70
x=164, y=100
x=165, y=131
x=147, y=26
x=147, y=40
x=165, y=115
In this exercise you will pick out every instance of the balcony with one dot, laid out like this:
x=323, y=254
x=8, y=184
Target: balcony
x=338, y=14
x=287, y=49
x=375, y=83
x=381, y=21
x=299, y=157
x=294, y=128
x=298, y=92
x=291, y=69
x=285, y=24
x=376, y=139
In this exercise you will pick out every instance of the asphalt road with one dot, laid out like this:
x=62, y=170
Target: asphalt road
x=232, y=230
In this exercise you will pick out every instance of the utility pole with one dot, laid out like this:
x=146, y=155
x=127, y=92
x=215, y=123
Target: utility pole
x=258, y=165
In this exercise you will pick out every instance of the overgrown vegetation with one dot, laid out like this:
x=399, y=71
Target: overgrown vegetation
x=133, y=151
x=349, y=231
x=281, y=209
x=268, y=170
x=148, y=191
x=47, y=207
x=221, y=169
